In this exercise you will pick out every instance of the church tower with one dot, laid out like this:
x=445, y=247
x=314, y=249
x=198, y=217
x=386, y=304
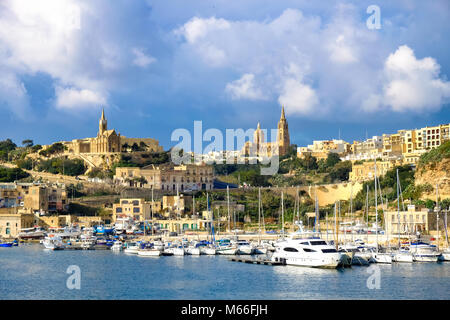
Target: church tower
x=283, y=135
x=103, y=124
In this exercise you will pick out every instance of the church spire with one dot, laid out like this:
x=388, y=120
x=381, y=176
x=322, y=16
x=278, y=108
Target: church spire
x=283, y=117
x=103, y=123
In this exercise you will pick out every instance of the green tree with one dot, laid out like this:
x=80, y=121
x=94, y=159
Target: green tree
x=27, y=143
x=332, y=159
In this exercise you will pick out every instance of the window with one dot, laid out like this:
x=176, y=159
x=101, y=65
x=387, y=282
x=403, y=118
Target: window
x=288, y=249
x=135, y=210
x=118, y=210
x=309, y=250
x=135, y=202
x=124, y=201
x=329, y=250
x=318, y=243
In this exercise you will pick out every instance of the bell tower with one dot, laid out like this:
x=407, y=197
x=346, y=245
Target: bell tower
x=103, y=124
x=283, y=134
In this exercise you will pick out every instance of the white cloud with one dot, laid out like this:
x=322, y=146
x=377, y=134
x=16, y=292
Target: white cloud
x=298, y=98
x=72, y=98
x=414, y=84
x=197, y=28
x=289, y=54
x=245, y=88
x=140, y=59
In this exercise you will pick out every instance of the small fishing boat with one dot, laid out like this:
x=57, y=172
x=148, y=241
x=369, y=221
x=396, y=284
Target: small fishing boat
x=243, y=247
x=225, y=247
x=53, y=242
x=131, y=247
x=6, y=244
x=117, y=246
x=149, y=251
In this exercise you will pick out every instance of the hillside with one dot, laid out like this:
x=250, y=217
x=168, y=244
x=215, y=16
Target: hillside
x=434, y=168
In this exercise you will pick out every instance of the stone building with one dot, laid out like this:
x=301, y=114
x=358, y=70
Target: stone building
x=108, y=141
x=188, y=177
x=260, y=148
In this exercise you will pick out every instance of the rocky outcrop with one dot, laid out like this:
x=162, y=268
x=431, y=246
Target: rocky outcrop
x=435, y=173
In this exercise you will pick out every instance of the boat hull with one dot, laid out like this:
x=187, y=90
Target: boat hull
x=426, y=258
x=382, y=258
x=149, y=253
x=403, y=257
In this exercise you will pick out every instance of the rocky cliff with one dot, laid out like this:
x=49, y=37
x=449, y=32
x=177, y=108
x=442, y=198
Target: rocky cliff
x=433, y=173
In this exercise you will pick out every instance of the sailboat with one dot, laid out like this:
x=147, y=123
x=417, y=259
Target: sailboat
x=379, y=257
x=224, y=245
x=260, y=248
x=403, y=254
x=446, y=252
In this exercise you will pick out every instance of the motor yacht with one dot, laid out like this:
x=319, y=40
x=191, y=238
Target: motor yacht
x=299, y=250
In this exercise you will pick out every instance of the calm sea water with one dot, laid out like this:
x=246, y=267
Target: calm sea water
x=30, y=272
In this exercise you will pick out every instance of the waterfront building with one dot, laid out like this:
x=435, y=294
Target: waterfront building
x=411, y=221
x=12, y=221
x=188, y=177
x=184, y=224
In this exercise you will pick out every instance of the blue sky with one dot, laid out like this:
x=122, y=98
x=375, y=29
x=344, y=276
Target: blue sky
x=156, y=66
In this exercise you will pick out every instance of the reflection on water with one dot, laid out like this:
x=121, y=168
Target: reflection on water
x=29, y=272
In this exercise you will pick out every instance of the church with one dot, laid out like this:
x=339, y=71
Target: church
x=108, y=141
x=260, y=148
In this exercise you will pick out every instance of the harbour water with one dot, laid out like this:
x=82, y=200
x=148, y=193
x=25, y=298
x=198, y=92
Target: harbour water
x=30, y=272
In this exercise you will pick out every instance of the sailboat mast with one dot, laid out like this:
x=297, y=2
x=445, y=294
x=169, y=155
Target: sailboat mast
x=367, y=213
x=437, y=215
x=282, y=213
x=259, y=215
x=351, y=210
x=317, y=211
x=398, y=209
x=228, y=208
x=326, y=219
x=335, y=226
x=445, y=222
x=152, y=212
x=376, y=204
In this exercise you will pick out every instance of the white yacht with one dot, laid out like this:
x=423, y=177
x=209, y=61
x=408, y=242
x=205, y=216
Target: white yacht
x=243, y=247
x=382, y=257
x=307, y=252
x=402, y=256
x=53, y=242
x=424, y=252
x=131, y=247
x=192, y=249
x=176, y=250
x=445, y=255
x=149, y=251
x=225, y=247
x=32, y=233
